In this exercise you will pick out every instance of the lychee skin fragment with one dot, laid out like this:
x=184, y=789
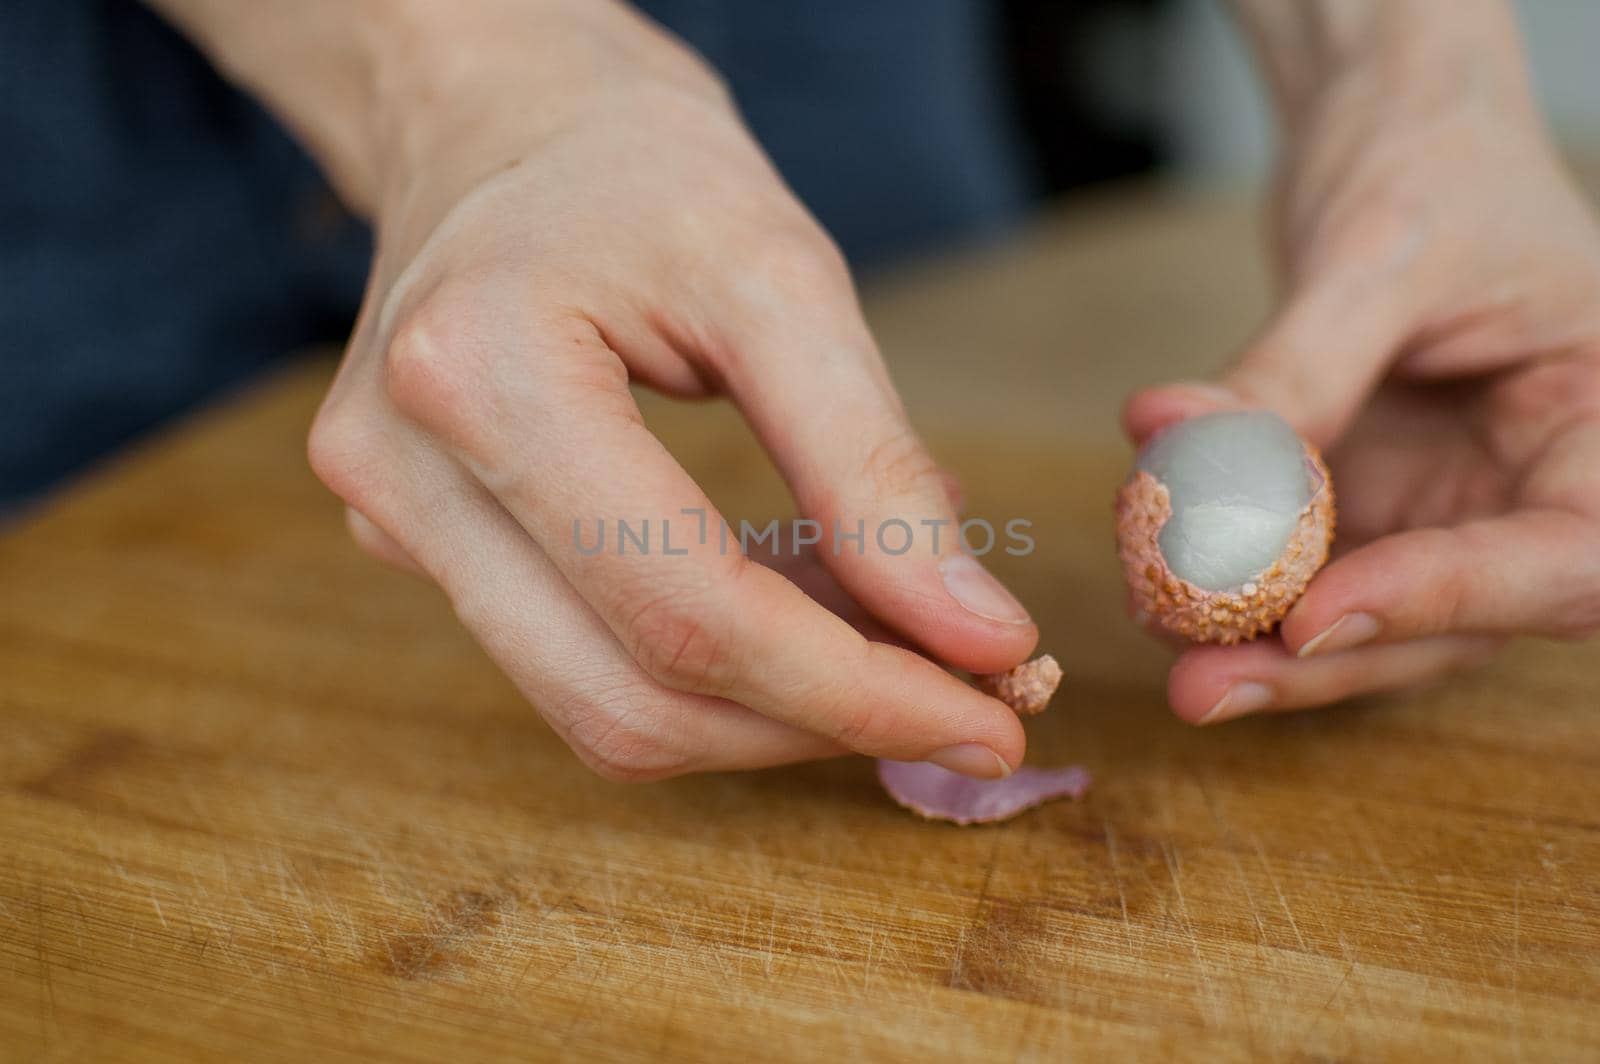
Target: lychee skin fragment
x=1026, y=688
x=1227, y=616
x=936, y=793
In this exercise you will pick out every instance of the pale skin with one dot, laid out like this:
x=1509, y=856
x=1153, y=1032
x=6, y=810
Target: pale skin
x=565, y=201
x=1438, y=335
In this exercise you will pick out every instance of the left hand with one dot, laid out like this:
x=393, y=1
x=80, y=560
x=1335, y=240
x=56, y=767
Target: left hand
x=1440, y=339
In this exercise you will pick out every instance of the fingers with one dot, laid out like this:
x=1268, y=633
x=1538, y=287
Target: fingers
x=1149, y=411
x=1208, y=685
x=1315, y=364
x=807, y=375
x=557, y=440
x=802, y=568
x=378, y=543
x=1322, y=356
x=539, y=631
x=1533, y=571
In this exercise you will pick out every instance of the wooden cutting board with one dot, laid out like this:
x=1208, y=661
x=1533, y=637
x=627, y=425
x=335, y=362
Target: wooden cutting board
x=261, y=799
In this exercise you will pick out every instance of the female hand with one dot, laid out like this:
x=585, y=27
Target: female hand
x=569, y=203
x=1440, y=337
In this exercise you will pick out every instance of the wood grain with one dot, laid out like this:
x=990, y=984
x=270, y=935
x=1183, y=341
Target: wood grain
x=261, y=799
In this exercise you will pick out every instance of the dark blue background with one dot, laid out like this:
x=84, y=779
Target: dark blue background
x=161, y=239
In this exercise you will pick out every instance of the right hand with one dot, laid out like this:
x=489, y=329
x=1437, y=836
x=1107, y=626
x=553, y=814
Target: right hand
x=549, y=232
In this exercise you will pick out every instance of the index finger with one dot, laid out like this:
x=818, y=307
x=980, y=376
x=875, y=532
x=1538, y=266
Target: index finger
x=809, y=379
x=560, y=443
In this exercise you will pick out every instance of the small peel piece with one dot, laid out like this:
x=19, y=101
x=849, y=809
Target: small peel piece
x=939, y=794
x=1027, y=688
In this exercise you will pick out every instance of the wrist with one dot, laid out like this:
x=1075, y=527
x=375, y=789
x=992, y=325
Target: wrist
x=1385, y=63
x=311, y=63
x=460, y=91
x=378, y=90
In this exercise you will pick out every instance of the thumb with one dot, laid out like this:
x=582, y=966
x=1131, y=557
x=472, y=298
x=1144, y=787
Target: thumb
x=885, y=518
x=1315, y=364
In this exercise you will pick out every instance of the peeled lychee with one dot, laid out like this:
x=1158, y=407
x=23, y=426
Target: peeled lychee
x=1222, y=524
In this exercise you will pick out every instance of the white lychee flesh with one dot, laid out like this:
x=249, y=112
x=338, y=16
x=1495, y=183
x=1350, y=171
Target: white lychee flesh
x=1222, y=525
x=1238, y=483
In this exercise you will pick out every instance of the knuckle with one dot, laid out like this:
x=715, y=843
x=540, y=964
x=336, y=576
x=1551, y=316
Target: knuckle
x=867, y=728
x=804, y=264
x=371, y=540
x=343, y=451
x=900, y=465
x=429, y=367
x=676, y=645
x=1452, y=610
x=443, y=369
x=620, y=735
x=581, y=365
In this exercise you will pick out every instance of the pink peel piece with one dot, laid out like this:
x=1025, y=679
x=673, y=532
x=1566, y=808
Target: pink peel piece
x=939, y=794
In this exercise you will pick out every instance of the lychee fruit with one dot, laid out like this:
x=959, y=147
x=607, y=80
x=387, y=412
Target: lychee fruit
x=1222, y=524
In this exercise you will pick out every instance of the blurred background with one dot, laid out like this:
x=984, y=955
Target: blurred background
x=1169, y=84
x=164, y=241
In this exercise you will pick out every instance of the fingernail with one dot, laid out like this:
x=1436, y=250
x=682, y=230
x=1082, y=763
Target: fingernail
x=970, y=584
x=1237, y=701
x=972, y=759
x=1348, y=631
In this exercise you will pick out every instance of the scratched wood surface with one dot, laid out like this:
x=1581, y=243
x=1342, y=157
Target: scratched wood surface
x=261, y=799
